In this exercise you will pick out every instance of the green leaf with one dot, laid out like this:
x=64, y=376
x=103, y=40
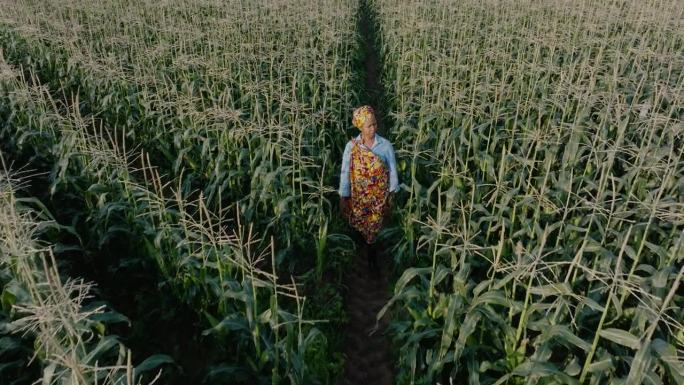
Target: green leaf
x=641, y=361
x=153, y=361
x=536, y=370
x=557, y=288
x=573, y=368
x=408, y=275
x=237, y=373
x=601, y=366
x=111, y=317
x=265, y=316
x=7, y=299
x=621, y=337
x=103, y=346
x=564, y=332
x=467, y=328
x=592, y=304
x=449, y=327
x=492, y=297
x=668, y=355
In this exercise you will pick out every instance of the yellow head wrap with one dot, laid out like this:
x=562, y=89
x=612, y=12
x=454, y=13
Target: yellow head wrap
x=362, y=114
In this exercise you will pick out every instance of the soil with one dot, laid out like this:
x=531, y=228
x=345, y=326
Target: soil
x=373, y=93
x=367, y=352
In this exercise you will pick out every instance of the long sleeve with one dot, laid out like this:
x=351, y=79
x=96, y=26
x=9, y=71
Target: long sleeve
x=394, y=179
x=345, y=188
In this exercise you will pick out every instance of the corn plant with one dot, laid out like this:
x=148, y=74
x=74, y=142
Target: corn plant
x=222, y=105
x=542, y=212
x=69, y=335
x=223, y=110
x=215, y=267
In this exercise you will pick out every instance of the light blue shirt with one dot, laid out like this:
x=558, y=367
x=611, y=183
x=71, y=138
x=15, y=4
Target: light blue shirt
x=382, y=148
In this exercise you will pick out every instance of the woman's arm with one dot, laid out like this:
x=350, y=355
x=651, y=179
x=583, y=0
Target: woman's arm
x=345, y=188
x=392, y=163
x=393, y=183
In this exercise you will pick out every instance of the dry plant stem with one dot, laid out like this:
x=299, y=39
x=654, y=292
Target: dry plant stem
x=617, y=278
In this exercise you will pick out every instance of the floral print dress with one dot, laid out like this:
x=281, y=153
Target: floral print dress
x=369, y=180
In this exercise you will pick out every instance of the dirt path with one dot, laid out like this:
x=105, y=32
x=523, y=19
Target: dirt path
x=368, y=359
x=374, y=91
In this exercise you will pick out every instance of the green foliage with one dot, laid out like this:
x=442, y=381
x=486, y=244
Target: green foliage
x=68, y=335
x=215, y=271
x=541, y=217
x=239, y=129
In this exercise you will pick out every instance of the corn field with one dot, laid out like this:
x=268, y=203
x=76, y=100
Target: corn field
x=542, y=154
x=199, y=156
x=169, y=183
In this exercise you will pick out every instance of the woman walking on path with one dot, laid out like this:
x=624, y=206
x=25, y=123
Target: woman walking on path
x=368, y=181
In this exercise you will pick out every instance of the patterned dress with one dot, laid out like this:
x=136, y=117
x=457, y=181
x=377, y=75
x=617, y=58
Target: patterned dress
x=369, y=179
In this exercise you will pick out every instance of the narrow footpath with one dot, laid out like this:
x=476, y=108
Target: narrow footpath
x=368, y=353
x=368, y=357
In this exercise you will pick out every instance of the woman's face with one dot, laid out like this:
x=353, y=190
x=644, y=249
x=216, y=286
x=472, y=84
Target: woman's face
x=369, y=127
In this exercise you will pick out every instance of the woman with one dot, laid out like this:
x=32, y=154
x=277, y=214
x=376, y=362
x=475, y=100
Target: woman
x=368, y=182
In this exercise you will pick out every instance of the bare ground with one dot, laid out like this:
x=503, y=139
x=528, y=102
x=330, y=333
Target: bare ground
x=367, y=353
